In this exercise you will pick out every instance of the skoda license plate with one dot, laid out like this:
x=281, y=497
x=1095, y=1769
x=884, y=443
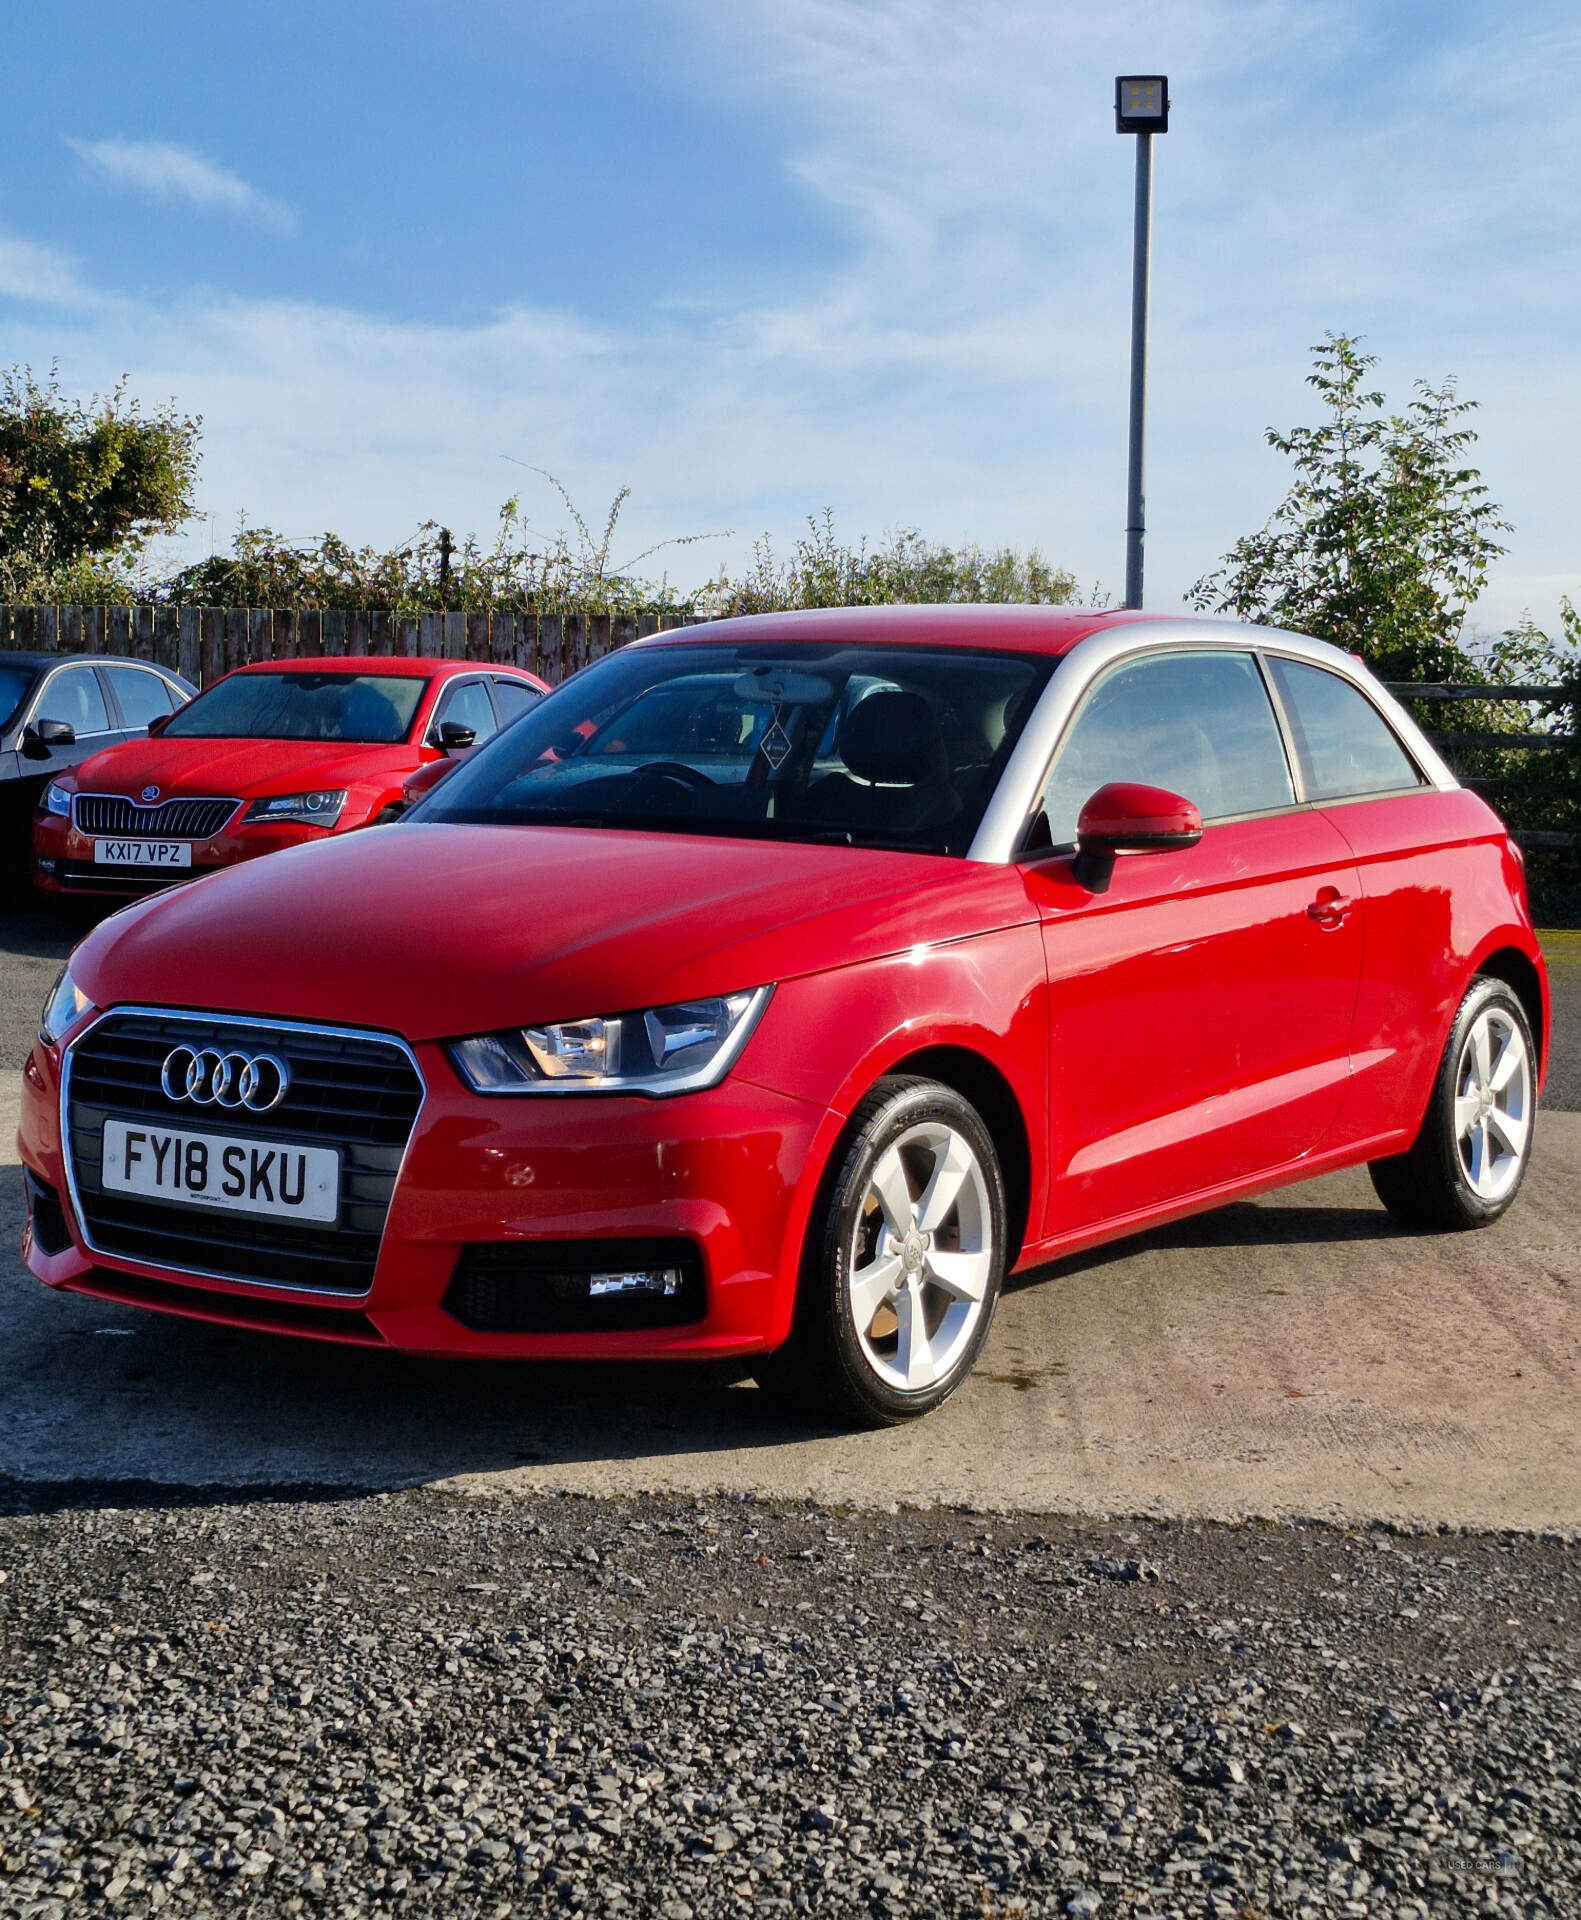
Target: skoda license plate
x=218, y=1170
x=142, y=853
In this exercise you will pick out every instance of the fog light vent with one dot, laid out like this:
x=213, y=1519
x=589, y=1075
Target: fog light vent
x=576, y=1286
x=50, y=1235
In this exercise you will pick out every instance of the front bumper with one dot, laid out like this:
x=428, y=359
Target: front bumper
x=63, y=861
x=722, y=1170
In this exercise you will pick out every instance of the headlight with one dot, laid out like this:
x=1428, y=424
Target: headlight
x=57, y=799
x=320, y=809
x=676, y=1049
x=64, y=1007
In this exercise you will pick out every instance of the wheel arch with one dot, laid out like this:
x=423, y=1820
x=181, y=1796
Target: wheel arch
x=1520, y=975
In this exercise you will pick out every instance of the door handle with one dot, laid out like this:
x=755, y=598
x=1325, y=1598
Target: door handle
x=1331, y=907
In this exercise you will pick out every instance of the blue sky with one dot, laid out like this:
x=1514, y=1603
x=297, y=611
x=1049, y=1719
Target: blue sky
x=761, y=257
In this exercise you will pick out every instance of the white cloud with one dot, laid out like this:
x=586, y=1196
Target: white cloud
x=160, y=171
x=32, y=272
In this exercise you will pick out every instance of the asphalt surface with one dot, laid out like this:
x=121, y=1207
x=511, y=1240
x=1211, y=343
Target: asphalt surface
x=1299, y=1355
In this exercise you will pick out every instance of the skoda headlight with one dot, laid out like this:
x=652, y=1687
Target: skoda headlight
x=63, y=1008
x=57, y=799
x=317, y=809
x=675, y=1049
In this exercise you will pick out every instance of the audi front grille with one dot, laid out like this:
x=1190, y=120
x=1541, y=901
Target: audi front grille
x=166, y=820
x=355, y=1092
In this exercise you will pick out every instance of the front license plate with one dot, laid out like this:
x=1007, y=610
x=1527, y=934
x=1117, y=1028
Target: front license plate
x=142, y=853
x=218, y=1170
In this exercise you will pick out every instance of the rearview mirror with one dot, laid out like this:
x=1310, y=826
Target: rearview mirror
x=1125, y=818
x=454, y=737
x=39, y=739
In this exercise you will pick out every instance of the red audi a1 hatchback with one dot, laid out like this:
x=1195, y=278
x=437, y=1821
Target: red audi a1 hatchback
x=270, y=756
x=777, y=987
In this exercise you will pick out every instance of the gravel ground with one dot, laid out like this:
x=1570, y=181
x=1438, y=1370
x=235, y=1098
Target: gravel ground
x=423, y=1704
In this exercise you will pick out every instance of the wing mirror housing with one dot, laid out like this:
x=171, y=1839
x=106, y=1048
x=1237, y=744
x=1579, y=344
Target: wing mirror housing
x=38, y=740
x=454, y=737
x=160, y=722
x=1126, y=818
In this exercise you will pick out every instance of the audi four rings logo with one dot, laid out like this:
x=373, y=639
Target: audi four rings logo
x=209, y=1078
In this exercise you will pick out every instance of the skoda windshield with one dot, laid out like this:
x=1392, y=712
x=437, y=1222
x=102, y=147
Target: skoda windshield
x=877, y=746
x=370, y=709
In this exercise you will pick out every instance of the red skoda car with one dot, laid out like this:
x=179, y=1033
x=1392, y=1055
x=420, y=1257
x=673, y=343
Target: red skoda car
x=776, y=988
x=269, y=757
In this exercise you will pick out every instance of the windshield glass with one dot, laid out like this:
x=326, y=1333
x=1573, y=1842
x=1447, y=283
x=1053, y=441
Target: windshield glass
x=14, y=683
x=376, y=708
x=854, y=745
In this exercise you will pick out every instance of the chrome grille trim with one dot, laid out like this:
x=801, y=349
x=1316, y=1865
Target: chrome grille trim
x=278, y=1029
x=181, y=819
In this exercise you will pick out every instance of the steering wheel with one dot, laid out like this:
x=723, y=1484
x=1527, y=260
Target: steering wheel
x=678, y=771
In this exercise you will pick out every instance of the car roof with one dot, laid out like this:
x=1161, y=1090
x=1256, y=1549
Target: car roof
x=10, y=659
x=1051, y=630
x=394, y=663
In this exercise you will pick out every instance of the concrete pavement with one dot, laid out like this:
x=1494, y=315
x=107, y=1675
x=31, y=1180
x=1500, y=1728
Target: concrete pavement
x=1296, y=1355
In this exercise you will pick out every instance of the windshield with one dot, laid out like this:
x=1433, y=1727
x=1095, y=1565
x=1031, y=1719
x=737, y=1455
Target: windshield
x=374, y=708
x=854, y=745
x=14, y=683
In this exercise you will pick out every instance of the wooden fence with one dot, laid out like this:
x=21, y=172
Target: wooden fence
x=204, y=642
x=1542, y=798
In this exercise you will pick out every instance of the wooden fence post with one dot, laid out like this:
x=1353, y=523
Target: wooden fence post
x=167, y=639
x=93, y=629
x=335, y=632
x=187, y=643
x=285, y=634
x=235, y=642
x=68, y=629
x=551, y=648
x=310, y=633
x=381, y=631
x=477, y=636
x=357, y=634
x=429, y=639
x=118, y=630
x=260, y=634
x=143, y=633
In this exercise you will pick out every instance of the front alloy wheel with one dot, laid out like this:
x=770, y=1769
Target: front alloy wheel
x=904, y=1263
x=1470, y=1157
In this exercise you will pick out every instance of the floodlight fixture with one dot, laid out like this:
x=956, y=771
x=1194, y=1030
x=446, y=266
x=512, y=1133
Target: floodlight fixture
x=1141, y=103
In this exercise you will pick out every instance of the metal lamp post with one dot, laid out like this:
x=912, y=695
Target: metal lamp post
x=1141, y=106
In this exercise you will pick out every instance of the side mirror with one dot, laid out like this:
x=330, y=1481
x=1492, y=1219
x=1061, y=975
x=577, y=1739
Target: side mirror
x=38, y=740
x=160, y=722
x=1125, y=818
x=454, y=737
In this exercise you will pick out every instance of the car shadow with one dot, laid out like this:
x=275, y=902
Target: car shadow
x=1241, y=1224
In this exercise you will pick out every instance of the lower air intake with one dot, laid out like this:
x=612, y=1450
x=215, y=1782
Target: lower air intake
x=577, y=1286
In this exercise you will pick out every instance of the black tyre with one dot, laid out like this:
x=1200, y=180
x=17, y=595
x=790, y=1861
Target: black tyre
x=1466, y=1165
x=905, y=1259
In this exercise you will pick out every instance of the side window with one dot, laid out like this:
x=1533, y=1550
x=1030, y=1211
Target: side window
x=142, y=695
x=467, y=703
x=512, y=697
x=1198, y=724
x=74, y=696
x=1345, y=745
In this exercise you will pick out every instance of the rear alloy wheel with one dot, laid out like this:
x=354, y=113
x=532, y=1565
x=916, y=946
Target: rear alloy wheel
x=905, y=1262
x=1467, y=1163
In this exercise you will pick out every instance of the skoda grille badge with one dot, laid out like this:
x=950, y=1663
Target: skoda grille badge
x=149, y=796
x=208, y=1078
